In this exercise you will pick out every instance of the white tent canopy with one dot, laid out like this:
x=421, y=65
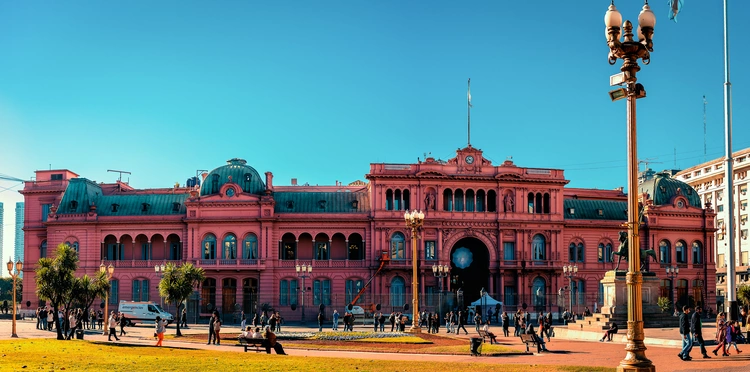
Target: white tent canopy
x=486, y=300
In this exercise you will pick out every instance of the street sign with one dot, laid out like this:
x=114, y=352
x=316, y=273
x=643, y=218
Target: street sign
x=617, y=79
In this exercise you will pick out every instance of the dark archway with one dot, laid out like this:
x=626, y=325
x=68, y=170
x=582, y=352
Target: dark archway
x=470, y=268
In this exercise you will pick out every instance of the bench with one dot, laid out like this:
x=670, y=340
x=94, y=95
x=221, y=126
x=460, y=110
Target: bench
x=256, y=343
x=529, y=340
x=483, y=334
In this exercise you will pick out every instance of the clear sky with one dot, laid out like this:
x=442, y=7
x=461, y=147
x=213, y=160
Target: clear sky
x=318, y=90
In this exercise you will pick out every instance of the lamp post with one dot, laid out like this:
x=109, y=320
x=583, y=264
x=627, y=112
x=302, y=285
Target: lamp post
x=570, y=272
x=159, y=269
x=672, y=272
x=18, y=266
x=414, y=221
x=630, y=51
x=303, y=272
x=440, y=272
x=483, y=296
x=109, y=270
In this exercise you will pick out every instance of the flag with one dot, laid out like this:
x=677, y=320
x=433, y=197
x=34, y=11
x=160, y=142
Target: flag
x=674, y=7
x=468, y=94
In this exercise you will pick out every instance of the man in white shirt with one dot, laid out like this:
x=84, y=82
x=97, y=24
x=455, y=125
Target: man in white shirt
x=112, y=323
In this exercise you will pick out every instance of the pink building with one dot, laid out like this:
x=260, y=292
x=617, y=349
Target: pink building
x=503, y=228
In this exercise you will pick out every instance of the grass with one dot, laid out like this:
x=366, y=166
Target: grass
x=85, y=356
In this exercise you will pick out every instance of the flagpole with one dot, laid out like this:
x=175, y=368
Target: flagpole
x=468, y=108
x=731, y=303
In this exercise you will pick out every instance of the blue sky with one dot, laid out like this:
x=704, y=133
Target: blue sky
x=319, y=90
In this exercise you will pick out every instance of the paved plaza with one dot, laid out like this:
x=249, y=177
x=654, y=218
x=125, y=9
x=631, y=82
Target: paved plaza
x=662, y=348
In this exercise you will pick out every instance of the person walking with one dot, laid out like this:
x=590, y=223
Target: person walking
x=217, y=330
x=320, y=323
x=732, y=332
x=211, y=333
x=477, y=321
x=687, y=340
x=721, y=336
x=161, y=326
x=696, y=328
x=112, y=323
x=505, y=323
x=123, y=322
x=183, y=319
x=381, y=322
x=392, y=320
x=335, y=320
x=375, y=322
x=461, y=321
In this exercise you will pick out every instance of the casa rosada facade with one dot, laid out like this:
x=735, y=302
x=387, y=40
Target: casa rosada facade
x=502, y=228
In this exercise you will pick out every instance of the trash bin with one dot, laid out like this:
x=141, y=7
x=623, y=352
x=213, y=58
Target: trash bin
x=79, y=334
x=476, y=346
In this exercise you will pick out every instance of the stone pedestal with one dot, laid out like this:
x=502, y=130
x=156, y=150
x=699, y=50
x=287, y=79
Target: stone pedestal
x=615, y=307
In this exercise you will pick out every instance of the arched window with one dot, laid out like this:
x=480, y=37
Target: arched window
x=43, y=249
x=140, y=289
x=682, y=293
x=538, y=247
x=73, y=245
x=546, y=203
x=322, y=292
x=481, y=205
x=389, y=200
x=665, y=289
x=458, y=200
x=114, y=292
x=470, y=197
x=229, y=250
x=397, y=292
x=250, y=247
x=353, y=286
x=246, y=182
x=538, y=294
x=397, y=205
x=680, y=251
x=530, y=199
x=575, y=252
x=664, y=252
x=538, y=203
x=448, y=200
x=209, y=247
x=407, y=200
x=491, y=201
x=604, y=252
x=397, y=246
x=697, y=252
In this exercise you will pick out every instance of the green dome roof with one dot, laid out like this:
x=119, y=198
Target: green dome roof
x=241, y=173
x=662, y=188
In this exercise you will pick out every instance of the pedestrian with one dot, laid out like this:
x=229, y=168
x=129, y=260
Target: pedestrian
x=392, y=320
x=732, y=332
x=320, y=323
x=335, y=320
x=696, y=328
x=477, y=321
x=112, y=323
x=243, y=323
x=381, y=322
x=100, y=318
x=161, y=326
x=687, y=340
x=279, y=321
x=721, y=336
x=211, y=332
x=183, y=318
x=123, y=322
x=50, y=319
x=505, y=323
x=608, y=333
x=217, y=330
x=461, y=320
x=375, y=322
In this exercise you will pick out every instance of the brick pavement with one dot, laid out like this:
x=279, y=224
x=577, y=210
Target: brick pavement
x=563, y=351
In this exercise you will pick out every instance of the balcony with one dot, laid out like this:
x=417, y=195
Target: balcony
x=237, y=263
x=137, y=264
x=323, y=264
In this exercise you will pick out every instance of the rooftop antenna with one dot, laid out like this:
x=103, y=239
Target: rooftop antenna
x=119, y=179
x=468, y=97
x=704, y=128
x=647, y=161
x=675, y=157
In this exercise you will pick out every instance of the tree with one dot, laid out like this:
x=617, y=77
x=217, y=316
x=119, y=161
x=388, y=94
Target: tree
x=177, y=285
x=664, y=304
x=55, y=280
x=87, y=290
x=743, y=294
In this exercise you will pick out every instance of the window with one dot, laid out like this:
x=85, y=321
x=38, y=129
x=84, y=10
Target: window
x=665, y=289
x=743, y=258
x=145, y=251
x=353, y=286
x=322, y=292
x=322, y=251
x=578, y=292
x=448, y=200
x=140, y=290
x=145, y=207
x=175, y=251
x=115, y=251
x=680, y=252
x=288, y=250
x=73, y=205
x=743, y=234
x=209, y=247
x=509, y=251
x=397, y=246
x=743, y=190
x=208, y=294
x=288, y=292
x=510, y=295
x=604, y=252
x=250, y=247
x=56, y=177
x=664, y=250
x=538, y=247
x=355, y=251
x=720, y=208
x=389, y=200
x=247, y=179
x=73, y=245
x=43, y=249
x=697, y=253
x=214, y=183
x=114, y=291
x=230, y=247
x=743, y=219
x=45, y=211
x=429, y=250
x=720, y=261
x=575, y=252
x=175, y=207
x=397, y=292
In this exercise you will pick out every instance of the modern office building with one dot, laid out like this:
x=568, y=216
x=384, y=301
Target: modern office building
x=18, y=246
x=502, y=228
x=708, y=179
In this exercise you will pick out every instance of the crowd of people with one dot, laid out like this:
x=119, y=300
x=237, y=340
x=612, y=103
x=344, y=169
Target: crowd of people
x=79, y=319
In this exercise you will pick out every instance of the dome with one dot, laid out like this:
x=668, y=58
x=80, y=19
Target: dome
x=242, y=174
x=662, y=188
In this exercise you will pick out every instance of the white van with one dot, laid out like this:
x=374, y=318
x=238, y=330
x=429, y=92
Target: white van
x=140, y=312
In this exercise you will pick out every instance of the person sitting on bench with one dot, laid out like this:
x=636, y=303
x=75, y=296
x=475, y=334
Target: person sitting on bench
x=540, y=345
x=608, y=333
x=247, y=333
x=486, y=329
x=257, y=333
x=270, y=342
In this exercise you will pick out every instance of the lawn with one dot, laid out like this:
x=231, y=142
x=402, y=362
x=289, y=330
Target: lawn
x=48, y=355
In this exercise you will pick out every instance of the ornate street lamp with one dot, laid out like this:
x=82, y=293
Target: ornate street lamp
x=672, y=272
x=630, y=51
x=109, y=270
x=303, y=272
x=440, y=272
x=18, y=266
x=570, y=272
x=414, y=221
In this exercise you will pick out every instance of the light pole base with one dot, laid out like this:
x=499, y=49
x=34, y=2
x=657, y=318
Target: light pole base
x=636, y=368
x=14, y=336
x=414, y=329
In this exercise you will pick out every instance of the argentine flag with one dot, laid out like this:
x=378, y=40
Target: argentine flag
x=674, y=7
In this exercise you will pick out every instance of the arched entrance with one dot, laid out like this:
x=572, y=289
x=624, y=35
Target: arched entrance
x=470, y=269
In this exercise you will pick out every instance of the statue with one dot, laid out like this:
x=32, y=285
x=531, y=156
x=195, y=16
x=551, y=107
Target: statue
x=509, y=203
x=429, y=201
x=622, y=252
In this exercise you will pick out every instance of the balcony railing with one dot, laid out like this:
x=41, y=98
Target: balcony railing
x=236, y=263
x=131, y=264
x=323, y=264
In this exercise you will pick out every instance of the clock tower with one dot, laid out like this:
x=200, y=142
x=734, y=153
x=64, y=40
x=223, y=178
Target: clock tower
x=469, y=160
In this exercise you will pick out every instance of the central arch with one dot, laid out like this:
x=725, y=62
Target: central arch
x=470, y=268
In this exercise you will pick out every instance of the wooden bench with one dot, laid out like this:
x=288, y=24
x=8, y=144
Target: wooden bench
x=483, y=334
x=256, y=343
x=529, y=340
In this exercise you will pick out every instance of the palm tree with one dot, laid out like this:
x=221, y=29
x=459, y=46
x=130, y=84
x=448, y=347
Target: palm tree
x=177, y=285
x=743, y=294
x=87, y=289
x=55, y=280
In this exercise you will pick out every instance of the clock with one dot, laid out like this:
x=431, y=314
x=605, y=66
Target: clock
x=469, y=159
x=680, y=204
x=230, y=192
